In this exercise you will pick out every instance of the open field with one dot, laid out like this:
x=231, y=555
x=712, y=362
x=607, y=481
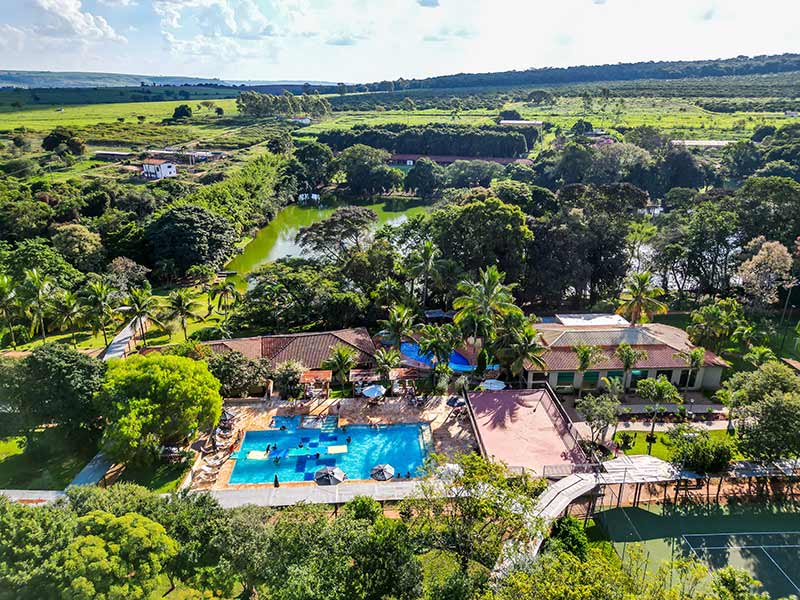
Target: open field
x=47, y=117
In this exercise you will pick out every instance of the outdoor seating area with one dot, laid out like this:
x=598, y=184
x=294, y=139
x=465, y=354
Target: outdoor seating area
x=316, y=384
x=450, y=433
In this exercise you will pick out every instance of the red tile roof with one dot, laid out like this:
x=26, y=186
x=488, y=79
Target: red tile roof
x=311, y=349
x=661, y=342
x=154, y=161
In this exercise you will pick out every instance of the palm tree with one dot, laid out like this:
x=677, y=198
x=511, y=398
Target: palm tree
x=386, y=359
x=628, y=356
x=483, y=303
x=588, y=356
x=69, y=311
x=40, y=287
x=144, y=306
x=659, y=392
x=439, y=341
x=424, y=264
x=694, y=359
x=517, y=348
x=8, y=304
x=341, y=360
x=182, y=306
x=638, y=301
x=402, y=322
x=99, y=297
x=758, y=355
x=225, y=293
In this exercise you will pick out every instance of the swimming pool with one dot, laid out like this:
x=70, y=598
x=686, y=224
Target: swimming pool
x=404, y=446
x=458, y=362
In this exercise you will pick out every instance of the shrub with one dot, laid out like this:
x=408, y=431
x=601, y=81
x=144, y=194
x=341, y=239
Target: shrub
x=287, y=379
x=570, y=535
x=626, y=440
x=697, y=451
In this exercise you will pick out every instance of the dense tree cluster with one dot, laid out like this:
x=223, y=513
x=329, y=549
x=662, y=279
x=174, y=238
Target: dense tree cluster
x=435, y=139
x=255, y=104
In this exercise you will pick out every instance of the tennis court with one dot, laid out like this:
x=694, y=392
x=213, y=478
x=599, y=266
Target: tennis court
x=763, y=540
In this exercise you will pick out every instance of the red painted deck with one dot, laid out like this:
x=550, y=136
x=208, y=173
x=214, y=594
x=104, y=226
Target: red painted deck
x=517, y=430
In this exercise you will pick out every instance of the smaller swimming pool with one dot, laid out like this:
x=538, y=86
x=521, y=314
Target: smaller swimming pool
x=458, y=362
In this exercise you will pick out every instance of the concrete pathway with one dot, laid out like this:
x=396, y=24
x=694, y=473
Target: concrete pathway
x=313, y=494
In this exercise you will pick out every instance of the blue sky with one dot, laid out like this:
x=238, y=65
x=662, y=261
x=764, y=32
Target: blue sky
x=361, y=40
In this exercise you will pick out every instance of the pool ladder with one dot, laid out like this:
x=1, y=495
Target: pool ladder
x=330, y=424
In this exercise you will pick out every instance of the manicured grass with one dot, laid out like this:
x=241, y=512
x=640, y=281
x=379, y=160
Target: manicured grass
x=162, y=478
x=49, y=464
x=662, y=448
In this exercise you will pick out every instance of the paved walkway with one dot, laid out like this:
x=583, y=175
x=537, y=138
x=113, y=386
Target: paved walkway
x=331, y=494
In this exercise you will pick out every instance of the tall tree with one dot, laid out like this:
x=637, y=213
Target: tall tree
x=694, y=358
x=225, y=294
x=39, y=289
x=423, y=265
x=386, y=359
x=181, y=306
x=639, y=300
x=9, y=304
x=69, y=310
x=588, y=356
x=483, y=303
x=100, y=300
x=402, y=322
x=341, y=360
x=629, y=357
x=517, y=347
x=659, y=392
x=144, y=306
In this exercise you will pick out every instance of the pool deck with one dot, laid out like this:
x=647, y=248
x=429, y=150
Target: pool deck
x=451, y=435
x=288, y=495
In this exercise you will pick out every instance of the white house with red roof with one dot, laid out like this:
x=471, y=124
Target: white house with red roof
x=157, y=168
x=662, y=344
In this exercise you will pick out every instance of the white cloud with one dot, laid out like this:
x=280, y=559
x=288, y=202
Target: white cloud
x=12, y=39
x=118, y=3
x=66, y=19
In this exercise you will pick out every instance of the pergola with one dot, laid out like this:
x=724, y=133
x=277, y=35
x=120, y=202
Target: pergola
x=316, y=376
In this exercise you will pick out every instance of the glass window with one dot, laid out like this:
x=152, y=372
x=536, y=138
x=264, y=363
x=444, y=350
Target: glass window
x=566, y=378
x=685, y=376
x=615, y=375
x=666, y=373
x=591, y=379
x=636, y=376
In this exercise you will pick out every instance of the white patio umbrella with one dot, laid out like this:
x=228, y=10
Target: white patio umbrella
x=329, y=476
x=494, y=385
x=382, y=472
x=374, y=391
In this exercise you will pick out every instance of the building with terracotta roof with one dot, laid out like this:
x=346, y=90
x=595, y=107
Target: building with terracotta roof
x=310, y=348
x=156, y=168
x=662, y=343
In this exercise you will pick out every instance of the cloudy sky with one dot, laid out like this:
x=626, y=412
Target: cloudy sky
x=368, y=40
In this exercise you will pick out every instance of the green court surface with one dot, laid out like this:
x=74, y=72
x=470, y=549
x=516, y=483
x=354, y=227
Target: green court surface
x=763, y=539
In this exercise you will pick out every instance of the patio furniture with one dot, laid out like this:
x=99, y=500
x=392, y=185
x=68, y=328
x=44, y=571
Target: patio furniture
x=374, y=391
x=329, y=476
x=382, y=472
x=492, y=385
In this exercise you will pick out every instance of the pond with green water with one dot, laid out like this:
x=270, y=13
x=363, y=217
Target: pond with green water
x=277, y=239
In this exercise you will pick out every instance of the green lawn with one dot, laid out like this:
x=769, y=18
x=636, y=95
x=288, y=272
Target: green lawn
x=662, y=448
x=162, y=478
x=49, y=464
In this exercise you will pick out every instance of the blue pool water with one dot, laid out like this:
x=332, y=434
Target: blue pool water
x=403, y=446
x=458, y=362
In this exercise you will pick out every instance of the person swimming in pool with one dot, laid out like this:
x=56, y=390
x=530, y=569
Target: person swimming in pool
x=300, y=445
x=349, y=439
x=316, y=456
x=283, y=427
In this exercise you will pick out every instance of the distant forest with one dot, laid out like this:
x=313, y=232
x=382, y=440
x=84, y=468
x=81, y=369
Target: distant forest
x=741, y=65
